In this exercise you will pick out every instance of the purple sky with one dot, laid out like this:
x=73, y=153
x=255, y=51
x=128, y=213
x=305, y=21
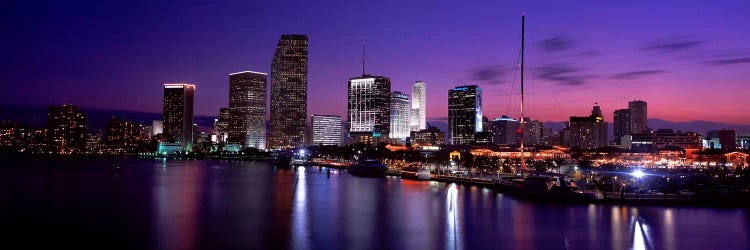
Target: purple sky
x=690, y=60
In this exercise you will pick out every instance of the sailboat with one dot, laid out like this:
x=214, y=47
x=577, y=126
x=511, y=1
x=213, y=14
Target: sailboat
x=547, y=186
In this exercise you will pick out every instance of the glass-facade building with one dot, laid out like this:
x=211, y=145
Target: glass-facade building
x=289, y=92
x=418, y=116
x=247, y=109
x=369, y=100
x=178, y=113
x=464, y=113
x=326, y=130
x=400, y=107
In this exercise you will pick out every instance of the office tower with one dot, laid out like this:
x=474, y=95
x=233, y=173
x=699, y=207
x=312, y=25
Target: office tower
x=418, y=116
x=369, y=101
x=157, y=127
x=623, y=124
x=665, y=138
x=289, y=92
x=464, y=113
x=588, y=132
x=639, y=115
x=326, y=130
x=221, y=126
x=66, y=129
x=178, y=113
x=122, y=135
x=505, y=131
x=532, y=134
x=430, y=136
x=399, y=116
x=247, y=109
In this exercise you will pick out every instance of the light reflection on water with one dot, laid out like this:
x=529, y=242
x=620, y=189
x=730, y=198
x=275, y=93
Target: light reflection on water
x=245, y=205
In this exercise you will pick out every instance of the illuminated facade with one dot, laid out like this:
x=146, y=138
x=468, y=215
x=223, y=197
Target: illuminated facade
x=122, y=135
x=369, y=101
x=289, y=92
x=399, y=116
x=178, y=113
x=504, y=131
x=247, y=109
x=588, y=132
x=431, y=136
x=532, y=134
x=157, y=127
x=66, y=129
x=418, y=115
x=221, y=126
x=464, y=113
x=326, y=130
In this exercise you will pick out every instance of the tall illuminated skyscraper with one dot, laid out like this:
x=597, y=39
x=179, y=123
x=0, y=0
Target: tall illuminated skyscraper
x=178, y=113
x=289, y=92
x=464, y=113
x=399, y=116
x=247, y=109
x=369, y=99
x=418, y=117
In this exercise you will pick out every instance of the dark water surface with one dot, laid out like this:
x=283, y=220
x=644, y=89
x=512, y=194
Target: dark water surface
x=175, y=204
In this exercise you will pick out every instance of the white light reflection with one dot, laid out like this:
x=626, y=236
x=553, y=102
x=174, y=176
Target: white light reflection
x=452, y=233
x=300, y=221
x=639, y=233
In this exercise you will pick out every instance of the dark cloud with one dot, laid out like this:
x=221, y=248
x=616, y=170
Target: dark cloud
x=632, y=75
x=488, y=74
x=558, y=43
x=729, y=61
x=673, y=44
x=562, y=74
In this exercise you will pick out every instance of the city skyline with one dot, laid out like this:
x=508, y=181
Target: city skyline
x=681, y=62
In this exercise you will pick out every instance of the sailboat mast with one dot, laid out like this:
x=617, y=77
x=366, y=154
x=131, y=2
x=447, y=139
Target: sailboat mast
x=523, y=23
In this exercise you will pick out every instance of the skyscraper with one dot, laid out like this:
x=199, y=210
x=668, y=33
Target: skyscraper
x=639, y=115
x=588, y=132
x=464, y=113
x=369, y=99
x=289, y=92
x=505, y=131
x=623, y=124
x=221, y=126
x=418, y=116
x=399, y=116
x=178, y=113
x=247, y=109
x=326, y=130
x=66, y=129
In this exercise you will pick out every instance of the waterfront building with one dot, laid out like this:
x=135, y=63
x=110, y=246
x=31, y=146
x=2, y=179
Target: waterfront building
x=588, y=132
x=247, y=109
x=157, y=127
x=399, y=116
x=326, y=130
x=464, y=113
x=66, y=129
x=418, y=116
x=639, y=116
x=743, y=140
x=122, y=135
x=711, y=143
x=221, y=126
x=288, y=120
x=505, y=131
x=430, y=136
x=15, y=136
x=369, y=108
x=178, y=114
x=665, y=138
